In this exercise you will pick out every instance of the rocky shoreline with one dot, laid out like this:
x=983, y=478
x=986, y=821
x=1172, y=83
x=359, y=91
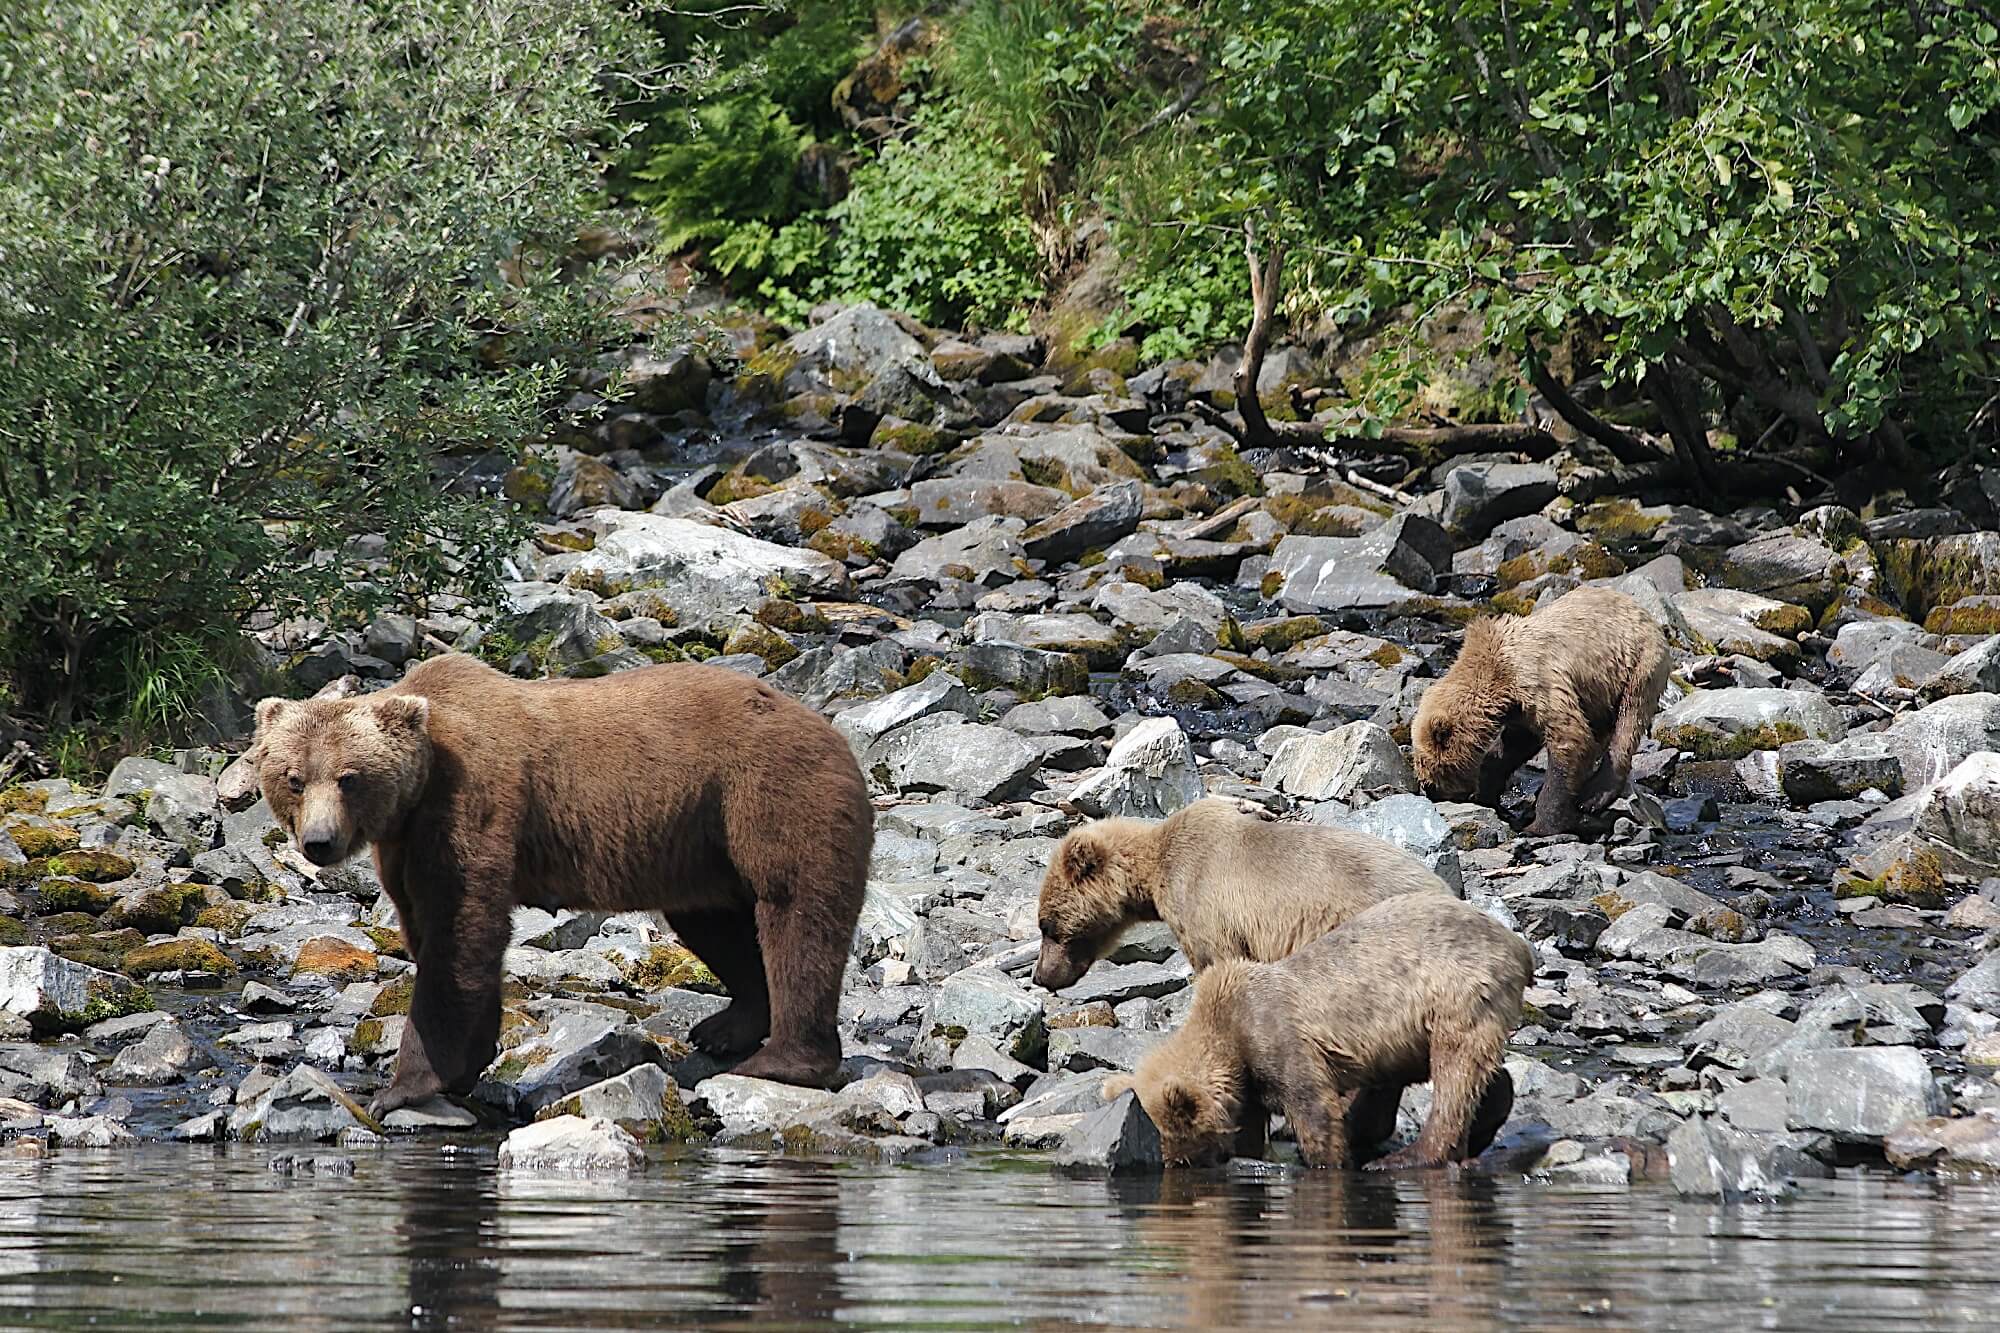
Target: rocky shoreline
x=1030, y=592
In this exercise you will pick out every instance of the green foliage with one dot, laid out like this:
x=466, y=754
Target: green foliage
x=1785, y=212
x=264, y=262
x=734, y=168
x=933, y=225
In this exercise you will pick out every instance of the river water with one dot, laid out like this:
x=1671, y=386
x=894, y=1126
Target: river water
x=424, y=1237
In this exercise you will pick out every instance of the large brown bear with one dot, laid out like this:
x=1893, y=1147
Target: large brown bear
x=1229, y=885
x=1582, y=676
x=690, y=790
x=1419, y=987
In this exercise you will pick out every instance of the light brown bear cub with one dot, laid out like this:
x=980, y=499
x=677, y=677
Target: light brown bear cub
x=1582, y=676
x=689, y=790
x=1420, y=987
x=1229, y=885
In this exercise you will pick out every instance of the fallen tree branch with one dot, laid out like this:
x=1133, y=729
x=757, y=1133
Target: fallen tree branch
x=1406, y=441
x=1390, y=493
x=1624, y=445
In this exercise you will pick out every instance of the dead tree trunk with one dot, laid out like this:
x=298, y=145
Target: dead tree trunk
x=1264, y=274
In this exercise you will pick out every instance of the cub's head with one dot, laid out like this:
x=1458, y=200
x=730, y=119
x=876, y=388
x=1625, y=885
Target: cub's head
x=341, y=773
x=1196, y=1120
x=1459, y=719
x=1089, y=896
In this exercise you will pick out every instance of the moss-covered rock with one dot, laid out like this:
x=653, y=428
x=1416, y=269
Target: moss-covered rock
x=72, y=895
x=762, y=641
x=394, y=998
x=224, y=918
x=331, y=956
x=673, y=966
x=98, y=867
x=43, y=840
x=179, y=955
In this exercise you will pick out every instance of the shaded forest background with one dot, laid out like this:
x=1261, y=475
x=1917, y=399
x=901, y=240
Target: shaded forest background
x=262, y=266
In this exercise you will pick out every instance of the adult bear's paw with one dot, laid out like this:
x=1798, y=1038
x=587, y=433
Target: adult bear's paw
x=733, y=1031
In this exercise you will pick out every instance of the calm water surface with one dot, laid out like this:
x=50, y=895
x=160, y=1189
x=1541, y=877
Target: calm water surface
x=419, y=1237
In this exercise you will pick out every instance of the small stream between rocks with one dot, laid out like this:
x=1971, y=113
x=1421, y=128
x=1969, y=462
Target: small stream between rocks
x=420, y=1237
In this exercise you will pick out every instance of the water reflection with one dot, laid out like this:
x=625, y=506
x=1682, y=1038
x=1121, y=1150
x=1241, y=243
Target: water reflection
x=422, y=1238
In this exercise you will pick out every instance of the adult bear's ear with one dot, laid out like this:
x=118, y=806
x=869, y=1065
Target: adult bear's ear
x=402, y=712
x=269, y=711
x=1083, y=857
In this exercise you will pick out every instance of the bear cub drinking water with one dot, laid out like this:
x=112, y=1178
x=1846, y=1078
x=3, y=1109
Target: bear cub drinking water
x=1418, y=988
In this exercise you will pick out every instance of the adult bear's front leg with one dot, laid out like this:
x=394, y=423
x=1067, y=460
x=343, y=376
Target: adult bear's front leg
x=453, y=1028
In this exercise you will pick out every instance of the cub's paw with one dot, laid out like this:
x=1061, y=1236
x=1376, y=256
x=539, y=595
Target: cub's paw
x=1406, y=1159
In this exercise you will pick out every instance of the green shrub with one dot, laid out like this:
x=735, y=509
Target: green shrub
x=934, y=225
x=263, y=263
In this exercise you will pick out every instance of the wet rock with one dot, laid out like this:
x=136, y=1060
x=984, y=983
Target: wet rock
x=1095, y=521
x=583, y=1044
x=44, y=1076
x=1860, y=1094
x=53, y=993
x=986, y=552
x=1075, y=633
x=1150, y=774
x=1938, y=738
x=701, y=570
x=757, y=1107
x=1978, y=987
x=1085, y=1048
x=1730, y=723
x=1962, y=811
x=1813, y=771
x=94, y=1131
x=1412, y=823
x=163, y=1055
x=1964, y=1146
x=1479, y=496
x=1709, y=1159
x=939, y=692
x=305, y=1106
x=1571, y=1162
x=981, y=1002
x=1117, y=1137
x=643, y=1101
x=952, y=502
x=945, y=753
x=1357, y=760
x=433, y=1113
x=1974, y=671
x=1382, y=570
x=311, y=1164
x=571, y=1146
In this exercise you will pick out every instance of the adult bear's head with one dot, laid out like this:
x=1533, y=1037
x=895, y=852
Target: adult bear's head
x=341, y=773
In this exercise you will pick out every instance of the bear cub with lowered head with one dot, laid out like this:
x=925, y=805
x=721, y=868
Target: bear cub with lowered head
x=689, y=790
x=1229, y=885
x=1582, y=676
x=1419, y=987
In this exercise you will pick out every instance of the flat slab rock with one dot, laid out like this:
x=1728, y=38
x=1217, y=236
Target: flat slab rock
x=569, y=1145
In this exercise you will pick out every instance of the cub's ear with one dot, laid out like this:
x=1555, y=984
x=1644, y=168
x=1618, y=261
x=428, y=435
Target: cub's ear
x=1178, y=1104
x=401, y=712
x=1083, y=856
x=1117, y=1086
x=269, y=711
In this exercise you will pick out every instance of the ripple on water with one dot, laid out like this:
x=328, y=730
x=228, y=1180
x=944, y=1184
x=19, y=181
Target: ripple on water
x=419, y=1237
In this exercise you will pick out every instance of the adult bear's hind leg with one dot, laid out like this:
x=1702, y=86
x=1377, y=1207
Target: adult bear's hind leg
x=805, y=954
x=727, y=943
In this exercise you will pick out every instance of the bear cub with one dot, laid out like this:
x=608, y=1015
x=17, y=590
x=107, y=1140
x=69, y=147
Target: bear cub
x=693, y=791
x=1229, y=885
x=1582, y=676
x=1418, y=988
